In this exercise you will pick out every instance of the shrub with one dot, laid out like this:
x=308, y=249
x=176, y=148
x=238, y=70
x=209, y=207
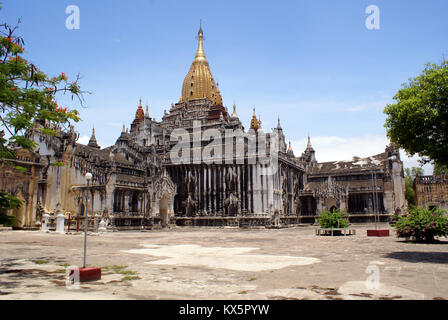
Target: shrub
x=422, y=224
x=8, y=202
x=335, y=219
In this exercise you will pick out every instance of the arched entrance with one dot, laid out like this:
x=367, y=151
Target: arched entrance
x=331, y=204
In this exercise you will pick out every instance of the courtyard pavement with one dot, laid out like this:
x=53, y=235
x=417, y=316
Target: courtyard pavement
x=224, y=263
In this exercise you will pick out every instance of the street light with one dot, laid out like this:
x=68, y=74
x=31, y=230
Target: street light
x=377, y=232
x=86, y=221
x=375, y=196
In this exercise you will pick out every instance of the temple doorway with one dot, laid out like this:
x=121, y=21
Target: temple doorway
x=331, y=204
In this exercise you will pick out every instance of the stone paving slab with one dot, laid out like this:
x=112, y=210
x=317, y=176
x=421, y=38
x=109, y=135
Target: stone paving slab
x=223, y=263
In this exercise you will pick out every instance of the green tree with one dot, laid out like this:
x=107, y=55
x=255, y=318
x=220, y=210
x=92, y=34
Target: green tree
x=409, y=176
x=418, y=121
x=440, y=169
x=8, y=202
x=333, y=219
x=28, y=97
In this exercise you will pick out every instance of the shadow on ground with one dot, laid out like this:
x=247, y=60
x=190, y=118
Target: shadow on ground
x=414, y=256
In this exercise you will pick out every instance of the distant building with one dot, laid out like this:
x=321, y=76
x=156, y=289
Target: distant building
x=431, y=191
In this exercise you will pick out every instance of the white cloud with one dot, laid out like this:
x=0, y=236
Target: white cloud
x=83, y=140
x=334, y=148
x=377, y=106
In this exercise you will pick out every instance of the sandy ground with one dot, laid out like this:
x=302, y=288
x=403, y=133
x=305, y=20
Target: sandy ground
x=217, y=263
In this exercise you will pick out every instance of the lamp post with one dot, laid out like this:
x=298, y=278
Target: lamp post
x=377, y=232
x=86, y=221
x=375, y=196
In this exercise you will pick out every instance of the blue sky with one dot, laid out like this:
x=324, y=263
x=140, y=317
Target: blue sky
x=313, y=63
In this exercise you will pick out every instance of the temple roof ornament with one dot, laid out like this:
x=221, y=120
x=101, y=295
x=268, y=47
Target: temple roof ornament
x=234, y=115
x=199, y=82
x=309, y=147
x=92, y=142
x=254, y=123
x=140, y=114
x=290, y=151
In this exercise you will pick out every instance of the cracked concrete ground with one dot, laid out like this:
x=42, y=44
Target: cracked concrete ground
x=224, y=263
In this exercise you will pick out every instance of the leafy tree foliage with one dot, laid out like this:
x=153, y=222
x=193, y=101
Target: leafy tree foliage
x=8, y=202
x=418, y=121
x=410, y=174
x=27, y=97
x=440, y=169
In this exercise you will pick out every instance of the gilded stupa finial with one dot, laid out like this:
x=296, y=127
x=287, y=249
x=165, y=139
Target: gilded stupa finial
x=200, y=54
x=140, y=115
x=254, y=123
x=199, y=82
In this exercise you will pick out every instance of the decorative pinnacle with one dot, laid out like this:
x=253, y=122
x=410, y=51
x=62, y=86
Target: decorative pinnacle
x=234, y=115
x=200, y=54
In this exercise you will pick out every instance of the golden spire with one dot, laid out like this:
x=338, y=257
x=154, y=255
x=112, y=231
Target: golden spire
x=140, y=115
x=200, y=54
x=199, y=82
x=254, y=123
